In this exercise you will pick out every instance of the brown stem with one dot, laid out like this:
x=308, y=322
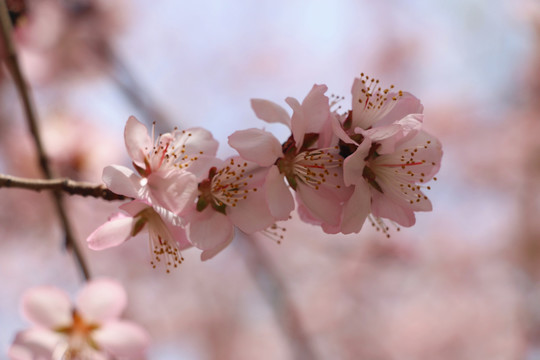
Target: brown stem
x=12, y=63
x=69, y=186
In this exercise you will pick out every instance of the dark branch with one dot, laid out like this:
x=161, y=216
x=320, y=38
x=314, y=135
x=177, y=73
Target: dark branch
x=31, y=118
x=69, y=186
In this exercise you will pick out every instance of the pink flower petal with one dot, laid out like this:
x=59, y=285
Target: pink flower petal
x=353, y=165
x=321, y=203
x=174, y=191
x=251, y=214
x=210, y=230
x=101, y=300
x=113, y=233
x=406, y=104
x=179, y=235
x=356, y=209
x=339, y=132
x=316, y=108
x=122, y=339
x=197, y=141
x=256, y=145
x=208, y=254
x=200, y=167
x=134, y=207
x=34, y=344
x=121, y=180
x=298, y=121
x=270, y=112
x=383, y=206
x=138, y=143
x=278, y=195
x=47, y=306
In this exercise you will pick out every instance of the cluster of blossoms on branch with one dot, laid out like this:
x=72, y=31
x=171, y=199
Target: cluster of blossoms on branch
x=338, y=167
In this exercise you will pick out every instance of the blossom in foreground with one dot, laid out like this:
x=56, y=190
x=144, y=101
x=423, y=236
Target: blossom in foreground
x=388, y=157
x=165, y=235
x=88, y=330
x=161, y=178
x=230, y=193
x=309, y=160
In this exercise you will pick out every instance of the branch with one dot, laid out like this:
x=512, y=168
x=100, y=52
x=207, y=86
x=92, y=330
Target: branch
x=24, y=93
x=69, y=186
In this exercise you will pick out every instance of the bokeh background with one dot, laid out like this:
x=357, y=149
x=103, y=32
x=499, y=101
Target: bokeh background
x=463, y=283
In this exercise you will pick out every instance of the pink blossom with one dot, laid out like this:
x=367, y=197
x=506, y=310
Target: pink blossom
x=89, y=329
x=388, y=157
x=309, y=160
x=231, y=194
x=371, y=104
x=165, y=235
x=161, y=178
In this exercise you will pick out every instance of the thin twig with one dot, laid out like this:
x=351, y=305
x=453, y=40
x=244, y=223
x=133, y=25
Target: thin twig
x=273, y=289
x=66, y=185
x=24, y=93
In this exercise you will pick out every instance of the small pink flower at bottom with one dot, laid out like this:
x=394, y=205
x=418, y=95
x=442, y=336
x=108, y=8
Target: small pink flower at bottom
x=90, y=329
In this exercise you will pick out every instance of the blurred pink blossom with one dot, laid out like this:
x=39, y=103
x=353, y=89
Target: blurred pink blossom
x=90, y=329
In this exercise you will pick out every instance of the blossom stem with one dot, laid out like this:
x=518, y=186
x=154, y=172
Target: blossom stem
x=69, y=186
x=12, y=63
x=273, y=289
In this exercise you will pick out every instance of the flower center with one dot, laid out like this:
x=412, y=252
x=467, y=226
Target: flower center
x=163, y=247
x=226, y=187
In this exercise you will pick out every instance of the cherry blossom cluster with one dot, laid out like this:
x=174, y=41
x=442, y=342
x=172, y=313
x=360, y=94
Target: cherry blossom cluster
x=338, y=168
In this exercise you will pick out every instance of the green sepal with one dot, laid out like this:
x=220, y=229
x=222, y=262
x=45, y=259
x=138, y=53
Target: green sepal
x=219, y=208
x=201, y=204
x=139, y=169
x=348, y=121
x=138, y=225
x=292, y=181
x=358, y=138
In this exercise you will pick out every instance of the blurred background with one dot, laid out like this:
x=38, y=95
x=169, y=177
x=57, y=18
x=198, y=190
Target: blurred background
x=463, y=283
